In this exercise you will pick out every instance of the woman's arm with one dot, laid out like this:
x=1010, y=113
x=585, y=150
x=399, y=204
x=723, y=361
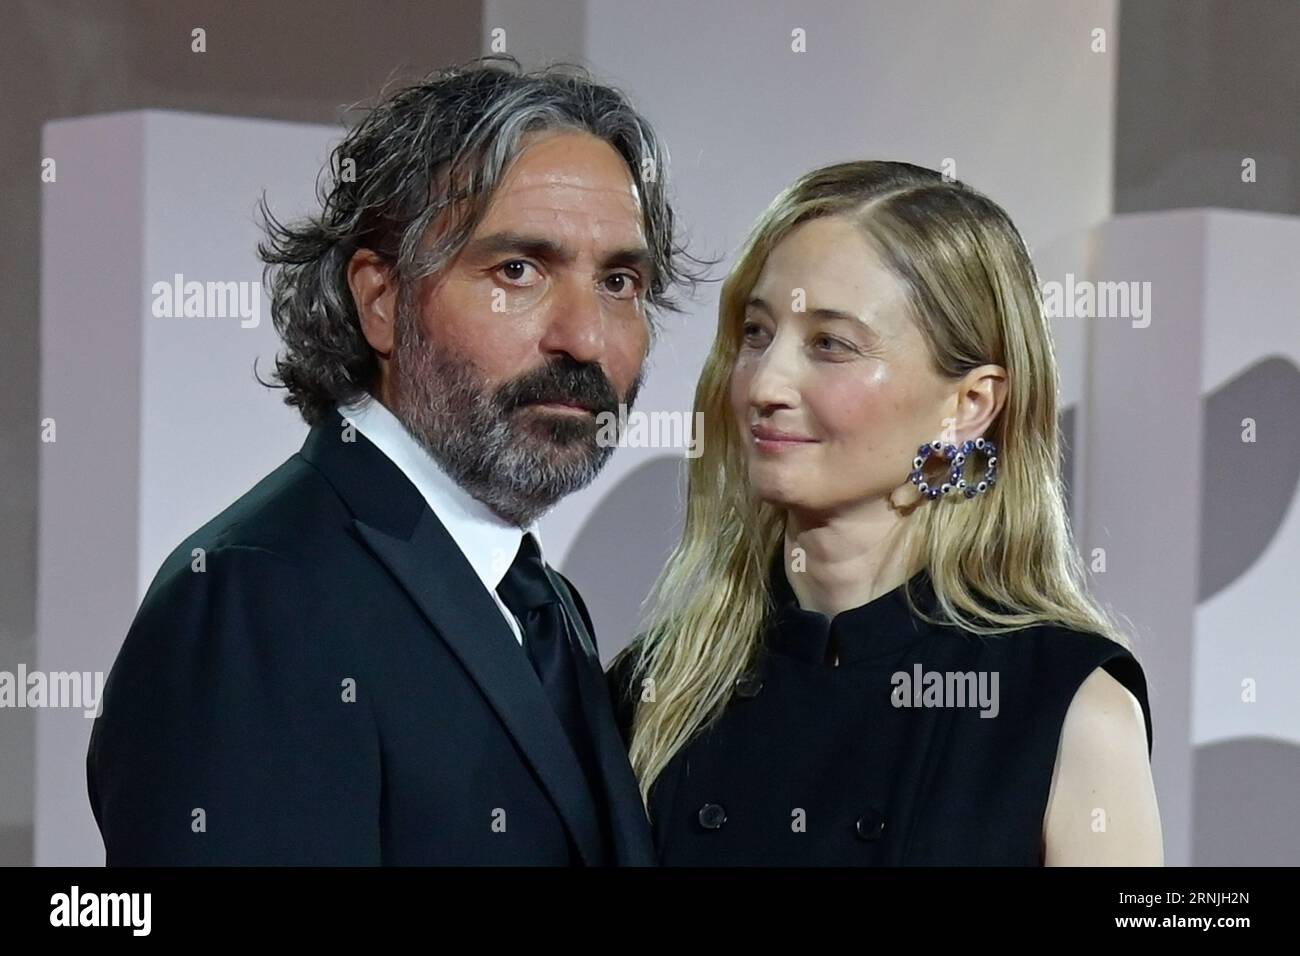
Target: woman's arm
x=1101, y=809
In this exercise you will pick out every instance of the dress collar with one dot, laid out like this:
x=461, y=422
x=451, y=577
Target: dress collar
x=876, y=631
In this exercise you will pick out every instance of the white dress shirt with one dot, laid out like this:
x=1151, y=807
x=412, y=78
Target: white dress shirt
x=488, y=541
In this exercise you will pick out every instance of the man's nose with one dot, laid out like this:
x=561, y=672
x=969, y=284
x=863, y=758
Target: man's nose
x=575, y=324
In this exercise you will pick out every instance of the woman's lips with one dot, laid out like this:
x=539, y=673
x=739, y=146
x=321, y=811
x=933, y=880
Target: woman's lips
x=768, y=438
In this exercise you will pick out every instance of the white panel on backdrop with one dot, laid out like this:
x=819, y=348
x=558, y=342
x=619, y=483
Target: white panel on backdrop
x=1245, y=629
x=159, y=422
x=1190, y=487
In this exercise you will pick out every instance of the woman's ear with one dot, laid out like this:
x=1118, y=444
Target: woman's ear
x=980, y=397
x=374, y=292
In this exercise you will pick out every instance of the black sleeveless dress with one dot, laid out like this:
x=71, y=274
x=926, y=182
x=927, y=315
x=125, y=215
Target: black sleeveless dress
x=926, y=746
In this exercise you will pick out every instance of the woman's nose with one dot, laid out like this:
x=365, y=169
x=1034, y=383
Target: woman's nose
x=774, y=381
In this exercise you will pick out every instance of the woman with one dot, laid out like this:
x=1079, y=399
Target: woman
x=874, y=644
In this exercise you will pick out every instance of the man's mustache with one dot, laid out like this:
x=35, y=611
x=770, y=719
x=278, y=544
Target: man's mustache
x=562, y=382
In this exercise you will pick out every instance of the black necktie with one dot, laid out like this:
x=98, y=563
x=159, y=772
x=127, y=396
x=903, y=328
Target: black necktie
x=529, y=594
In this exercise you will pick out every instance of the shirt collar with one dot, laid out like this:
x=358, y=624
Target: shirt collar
x=487, y=540
x=879, y=630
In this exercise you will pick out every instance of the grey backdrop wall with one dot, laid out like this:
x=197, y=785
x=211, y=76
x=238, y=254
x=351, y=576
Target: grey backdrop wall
x=1061, y=133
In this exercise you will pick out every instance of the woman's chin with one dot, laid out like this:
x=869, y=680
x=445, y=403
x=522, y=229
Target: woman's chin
x=778, y=482
x=777, y=494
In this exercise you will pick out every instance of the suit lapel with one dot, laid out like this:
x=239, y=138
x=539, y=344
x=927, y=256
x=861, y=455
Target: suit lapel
x=441, y=582
x=396, y=523
x=631, y=828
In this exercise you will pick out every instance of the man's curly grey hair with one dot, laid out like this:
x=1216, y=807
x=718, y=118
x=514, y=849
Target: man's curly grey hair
x=412, y=181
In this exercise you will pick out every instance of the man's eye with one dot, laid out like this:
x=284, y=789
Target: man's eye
x=516, y=270
x=625, y=285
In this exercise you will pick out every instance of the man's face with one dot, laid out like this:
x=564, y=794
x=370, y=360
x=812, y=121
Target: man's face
x=504, y=359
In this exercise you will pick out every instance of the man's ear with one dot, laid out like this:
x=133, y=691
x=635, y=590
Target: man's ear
x=374, y=291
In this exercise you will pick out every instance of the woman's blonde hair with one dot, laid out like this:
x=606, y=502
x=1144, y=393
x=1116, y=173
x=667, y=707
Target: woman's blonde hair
x=1000, y=562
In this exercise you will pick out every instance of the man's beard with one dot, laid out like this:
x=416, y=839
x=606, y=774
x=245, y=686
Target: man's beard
x=518, y=462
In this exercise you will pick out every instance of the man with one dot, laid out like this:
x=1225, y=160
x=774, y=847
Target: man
x=365, y=659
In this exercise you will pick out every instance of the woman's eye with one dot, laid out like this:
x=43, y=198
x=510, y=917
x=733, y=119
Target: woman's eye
x=832, y=344
x=753, y=335
x=516, y=270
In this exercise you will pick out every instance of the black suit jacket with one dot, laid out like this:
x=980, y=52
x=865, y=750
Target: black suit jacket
x=317, y=676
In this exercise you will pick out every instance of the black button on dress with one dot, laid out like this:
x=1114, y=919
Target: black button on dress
x=822, y=764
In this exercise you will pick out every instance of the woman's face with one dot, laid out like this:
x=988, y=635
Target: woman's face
x=833, y=389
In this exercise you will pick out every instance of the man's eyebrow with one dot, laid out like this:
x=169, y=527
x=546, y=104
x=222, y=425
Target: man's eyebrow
x=499, y=243
x=637, y=257
x=540, y=247
x=756, y=302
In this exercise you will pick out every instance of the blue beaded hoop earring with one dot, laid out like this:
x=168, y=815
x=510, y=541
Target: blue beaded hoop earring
x=956, y=458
